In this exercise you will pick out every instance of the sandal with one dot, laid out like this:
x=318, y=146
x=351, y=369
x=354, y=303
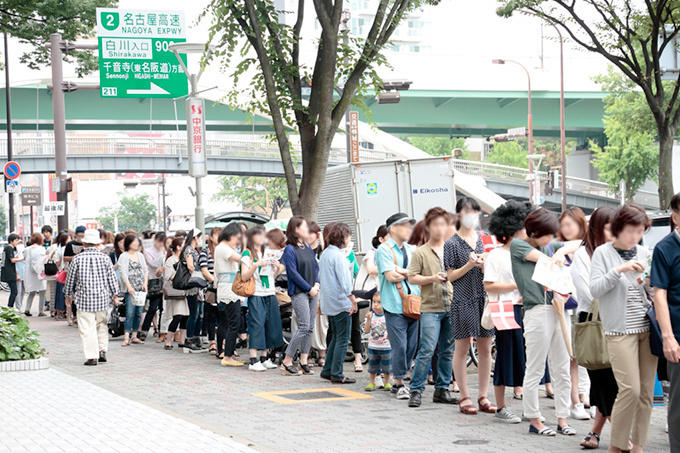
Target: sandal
x=586, y=442
x=125, y=343
x=549, y=395
x=306, y=369
x=467, y=409
x=168, y=347
x=137, y=341
x=161, y=338
x=516, y=396
x=212, y=351
x=543, y=432
x=486, y=407
x=290, y=370
x=358, y=368
x=321, y=361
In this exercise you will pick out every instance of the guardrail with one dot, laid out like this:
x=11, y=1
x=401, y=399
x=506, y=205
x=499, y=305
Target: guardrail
x=574, y=184
x=257, y=149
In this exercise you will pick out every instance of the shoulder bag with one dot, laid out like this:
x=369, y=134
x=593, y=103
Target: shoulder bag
x=655, y=339
x=170, y=292
x=243, y=288
x=182, y=275
x=155, y=286
x=410, y=303
x=590, y=345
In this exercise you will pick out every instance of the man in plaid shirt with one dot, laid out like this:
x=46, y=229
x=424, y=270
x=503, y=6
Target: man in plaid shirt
x=92, y=282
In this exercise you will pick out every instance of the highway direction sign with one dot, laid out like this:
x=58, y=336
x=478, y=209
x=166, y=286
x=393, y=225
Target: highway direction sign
x=134, y=56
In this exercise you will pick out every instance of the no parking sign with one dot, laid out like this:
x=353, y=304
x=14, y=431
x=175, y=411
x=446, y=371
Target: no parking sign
x=12, y=170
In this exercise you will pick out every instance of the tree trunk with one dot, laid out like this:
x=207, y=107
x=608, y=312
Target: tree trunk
x=666, y=136
x=317, y=152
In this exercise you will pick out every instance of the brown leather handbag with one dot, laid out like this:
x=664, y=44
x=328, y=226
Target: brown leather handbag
x=410, y=303
x=243, y=288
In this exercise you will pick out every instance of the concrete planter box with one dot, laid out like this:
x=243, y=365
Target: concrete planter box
x=42, y=363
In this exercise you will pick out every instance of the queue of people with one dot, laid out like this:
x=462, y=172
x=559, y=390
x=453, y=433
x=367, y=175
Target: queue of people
x=429, y=291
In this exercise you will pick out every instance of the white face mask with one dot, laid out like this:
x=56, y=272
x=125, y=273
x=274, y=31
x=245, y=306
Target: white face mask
x=470, y=221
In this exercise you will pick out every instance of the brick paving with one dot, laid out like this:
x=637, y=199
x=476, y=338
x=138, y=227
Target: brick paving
x=194, y=388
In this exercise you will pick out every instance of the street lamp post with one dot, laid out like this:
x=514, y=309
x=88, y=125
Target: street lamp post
x=563, y=144
x=197, y=159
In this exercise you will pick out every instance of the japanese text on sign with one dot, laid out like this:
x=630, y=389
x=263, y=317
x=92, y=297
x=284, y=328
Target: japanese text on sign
x=196, y=136
x=354, y=135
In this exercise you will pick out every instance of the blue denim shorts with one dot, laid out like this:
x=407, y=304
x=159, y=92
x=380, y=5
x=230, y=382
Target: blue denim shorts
x=379, y=359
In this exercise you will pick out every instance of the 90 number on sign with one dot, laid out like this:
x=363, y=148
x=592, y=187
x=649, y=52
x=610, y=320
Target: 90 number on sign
x=163, y=46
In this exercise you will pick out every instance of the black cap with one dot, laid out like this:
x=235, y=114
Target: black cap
x=398, y=219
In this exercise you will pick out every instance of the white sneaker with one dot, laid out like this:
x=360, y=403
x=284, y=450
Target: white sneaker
x=268, y=364
x=593, y=412
x=578, y=412
x=506, y=416
x=257, y=366
x=379, y=383
x=403, y=393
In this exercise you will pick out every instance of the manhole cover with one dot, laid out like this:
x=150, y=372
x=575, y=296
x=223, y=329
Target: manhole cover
x=312, y=396
x=471, y=442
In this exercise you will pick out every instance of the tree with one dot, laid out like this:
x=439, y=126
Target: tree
x=250, y=193
x=3, y=222
x=251, y=36
x=632, y=36
x=33, y=21
x=135, y=212
x=631, y=154
x=439, y=146
x=514, y=153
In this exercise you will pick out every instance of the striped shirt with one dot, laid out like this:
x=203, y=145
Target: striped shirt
x=636, y=313
x=206, y=260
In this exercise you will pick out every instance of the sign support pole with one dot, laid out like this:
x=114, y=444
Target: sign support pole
x=59, y=115
x=8, y=102
x=199, y=212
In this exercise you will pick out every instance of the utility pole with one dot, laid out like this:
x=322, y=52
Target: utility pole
x=8, y=102
x=59, y=115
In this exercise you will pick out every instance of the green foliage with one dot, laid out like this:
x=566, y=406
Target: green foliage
x=632, y=153
x=135, y=212
x=245, y=190
x=439, y=146
x=3, y=222
x=632, y=35
x=514, y=153
x=33, y=21
x=261, y=53
x=17, y=340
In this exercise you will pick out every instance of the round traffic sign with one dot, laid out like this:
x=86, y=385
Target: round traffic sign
x=12, y=170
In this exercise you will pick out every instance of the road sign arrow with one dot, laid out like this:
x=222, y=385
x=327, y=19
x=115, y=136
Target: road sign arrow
x=153, y=89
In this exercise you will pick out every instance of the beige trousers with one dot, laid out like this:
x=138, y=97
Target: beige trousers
x=93, y=329
x=634, y=368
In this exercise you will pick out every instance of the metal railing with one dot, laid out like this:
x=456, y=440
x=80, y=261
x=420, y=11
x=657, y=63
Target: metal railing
x=258, y=149
x=519, y=176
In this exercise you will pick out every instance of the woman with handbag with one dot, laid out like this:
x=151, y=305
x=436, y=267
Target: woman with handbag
x=506, y=224
x=303, y=287
x=618, y=281
x=134, y=277
x=603, y=387
x=154, y=257
x=228, y=302
x=33, y=284
x=58, y=258
x=190, y=257
x=464, y=260
x=264, y=318
x=175, y=300
x=206, y=262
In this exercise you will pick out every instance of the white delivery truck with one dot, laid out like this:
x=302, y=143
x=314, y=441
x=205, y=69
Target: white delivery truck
x=364, y=195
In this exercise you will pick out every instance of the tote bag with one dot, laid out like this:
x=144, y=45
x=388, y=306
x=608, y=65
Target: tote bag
x=590, y=345
x=182, y=275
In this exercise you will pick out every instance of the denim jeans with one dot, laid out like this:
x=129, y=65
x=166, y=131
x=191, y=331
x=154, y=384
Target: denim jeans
x=194, y=307
x=264, y=323
x=133, y=314
x=13, y=291
x=337, y=349
x=435, y=329
x=403, y=334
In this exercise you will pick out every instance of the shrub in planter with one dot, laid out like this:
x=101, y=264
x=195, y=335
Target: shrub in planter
x=17, y=340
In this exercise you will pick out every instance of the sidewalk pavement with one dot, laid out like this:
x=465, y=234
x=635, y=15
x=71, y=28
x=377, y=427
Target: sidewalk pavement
x=193, y=389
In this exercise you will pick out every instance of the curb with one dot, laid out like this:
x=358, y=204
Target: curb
x=42, y=363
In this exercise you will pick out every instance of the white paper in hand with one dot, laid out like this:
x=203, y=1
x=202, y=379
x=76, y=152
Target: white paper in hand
x=555, y=278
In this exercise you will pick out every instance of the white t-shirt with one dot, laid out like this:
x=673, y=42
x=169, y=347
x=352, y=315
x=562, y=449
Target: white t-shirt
x=225, y=272
x=264, y=276
x=498, y=269
x=364, y=281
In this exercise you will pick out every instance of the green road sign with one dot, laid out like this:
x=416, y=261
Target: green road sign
x=134, y=56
